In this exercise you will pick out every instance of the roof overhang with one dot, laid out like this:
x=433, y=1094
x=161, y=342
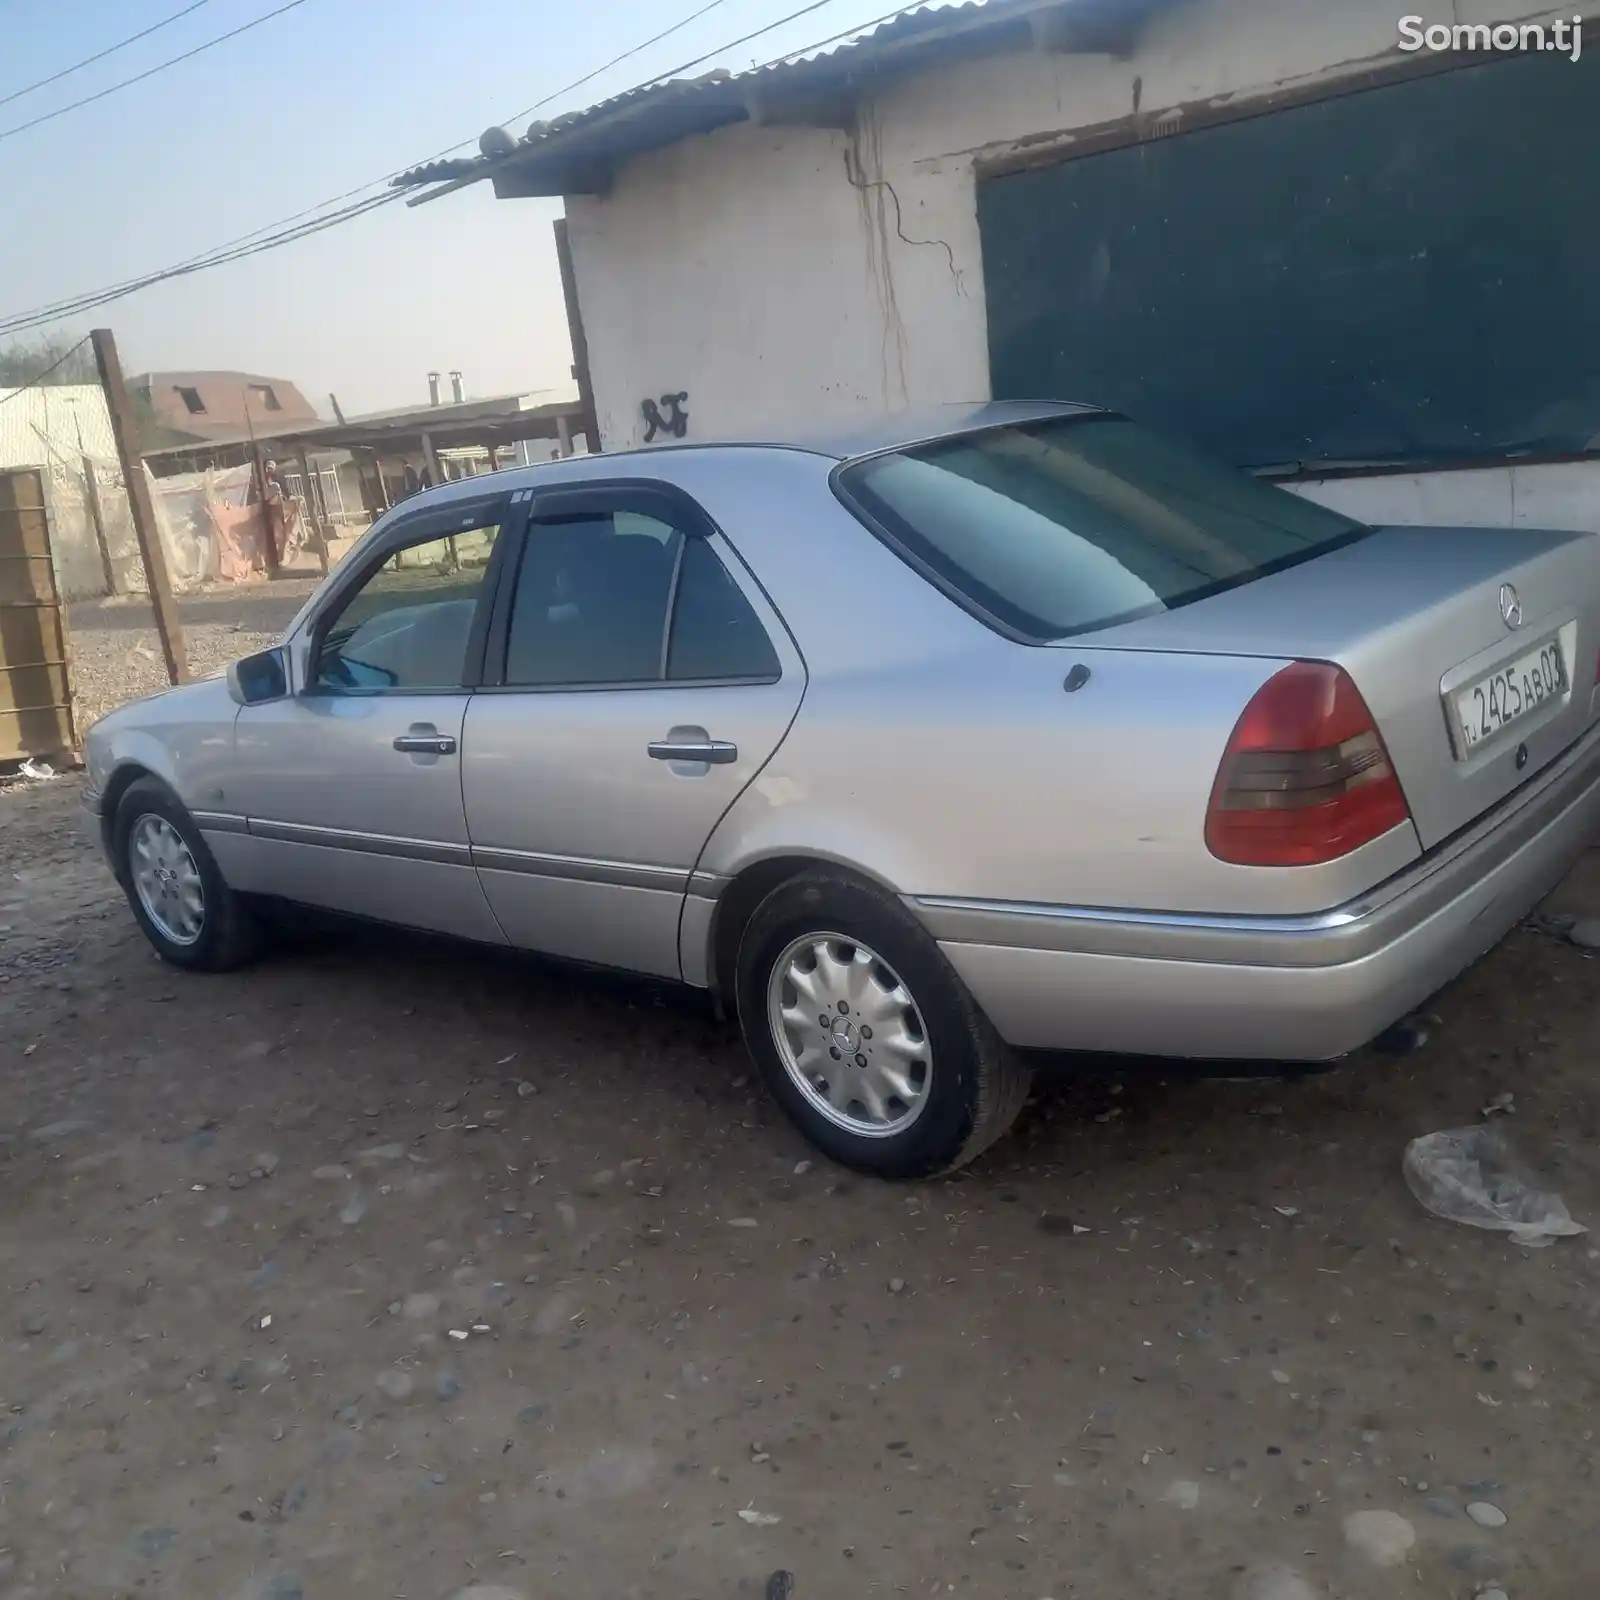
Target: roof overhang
x=501, y=421
x=581, y=153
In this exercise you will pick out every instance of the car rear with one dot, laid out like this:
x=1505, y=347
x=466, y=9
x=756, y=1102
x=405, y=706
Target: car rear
x=1418, y=720
x=1474, y=649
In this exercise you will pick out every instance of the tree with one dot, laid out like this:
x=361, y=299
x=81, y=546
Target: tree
x=49, y=359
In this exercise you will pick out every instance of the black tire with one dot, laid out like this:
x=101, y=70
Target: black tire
x=973, y=1086
x=230, y=931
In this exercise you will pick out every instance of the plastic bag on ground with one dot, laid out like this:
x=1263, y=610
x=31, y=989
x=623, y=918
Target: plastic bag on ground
x=1473, y=1175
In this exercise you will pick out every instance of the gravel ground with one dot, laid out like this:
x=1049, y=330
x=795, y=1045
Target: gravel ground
x=393, y=1269
x=116, y=654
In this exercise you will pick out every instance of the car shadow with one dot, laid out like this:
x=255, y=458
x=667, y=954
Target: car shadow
x=652, y=1033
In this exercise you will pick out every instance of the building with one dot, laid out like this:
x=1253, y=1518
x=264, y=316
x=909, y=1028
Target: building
x=63, y=432
x=1273, y=224
x=364, y=464
x=202, y=406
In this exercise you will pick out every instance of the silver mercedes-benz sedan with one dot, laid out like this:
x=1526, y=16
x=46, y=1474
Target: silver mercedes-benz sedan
x=1019, y=729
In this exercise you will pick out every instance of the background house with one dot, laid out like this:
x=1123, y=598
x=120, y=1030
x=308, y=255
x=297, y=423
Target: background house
x=202, y=406
x=1260, y=222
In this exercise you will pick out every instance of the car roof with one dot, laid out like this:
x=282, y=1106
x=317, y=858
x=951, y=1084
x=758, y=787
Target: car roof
x=918, y=425
x=842, y=442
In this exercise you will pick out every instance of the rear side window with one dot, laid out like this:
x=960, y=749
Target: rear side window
x=1058, y=527
x=625, y=598
x=715, y=634
x=591, y=601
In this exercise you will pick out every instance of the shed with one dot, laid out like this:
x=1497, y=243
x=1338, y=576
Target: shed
x=1297, y=232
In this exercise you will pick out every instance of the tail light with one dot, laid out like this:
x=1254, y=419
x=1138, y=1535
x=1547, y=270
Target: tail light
x=1305, y=778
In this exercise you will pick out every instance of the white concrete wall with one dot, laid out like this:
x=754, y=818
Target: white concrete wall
x=52, y=428
x=786, y=276
x=1553, y=495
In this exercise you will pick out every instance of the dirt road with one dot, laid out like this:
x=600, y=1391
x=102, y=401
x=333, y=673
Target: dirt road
x=392, y=1269
x=116, y=652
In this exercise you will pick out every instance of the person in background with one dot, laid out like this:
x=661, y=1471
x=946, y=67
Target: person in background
x=277, y=509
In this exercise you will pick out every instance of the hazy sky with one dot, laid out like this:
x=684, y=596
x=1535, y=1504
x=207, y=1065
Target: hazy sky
x=331, y=95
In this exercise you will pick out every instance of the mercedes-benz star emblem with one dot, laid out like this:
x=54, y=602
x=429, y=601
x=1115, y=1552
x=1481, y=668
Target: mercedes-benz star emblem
x=1510, y=606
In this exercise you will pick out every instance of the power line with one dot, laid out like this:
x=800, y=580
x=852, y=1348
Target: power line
x=289, y=230
x=588, y=77
x=733, y=44
x=673, y=72
x=822, y=44
x=56, y=310
x=149, y=72
x=100, y=55
x=38, y=378
x=95, y=298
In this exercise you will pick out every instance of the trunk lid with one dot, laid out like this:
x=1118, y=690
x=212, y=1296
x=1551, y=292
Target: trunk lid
x=1470, y=702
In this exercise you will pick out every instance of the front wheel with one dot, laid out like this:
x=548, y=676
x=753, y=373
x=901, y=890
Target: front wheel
x=866, y=1036
x=179, y=898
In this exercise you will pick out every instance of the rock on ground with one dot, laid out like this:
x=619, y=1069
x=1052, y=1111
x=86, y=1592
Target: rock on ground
x=1385, y=1538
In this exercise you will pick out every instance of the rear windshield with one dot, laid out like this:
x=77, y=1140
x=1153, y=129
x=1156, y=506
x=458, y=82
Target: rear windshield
x=1053, y=528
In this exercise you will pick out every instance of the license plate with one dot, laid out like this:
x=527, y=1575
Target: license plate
x=1504, y=697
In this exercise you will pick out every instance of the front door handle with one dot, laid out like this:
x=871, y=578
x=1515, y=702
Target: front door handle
x=426, y=744
x=717, y=751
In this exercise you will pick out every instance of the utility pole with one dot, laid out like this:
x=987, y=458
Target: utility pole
x=168, y=627
x=316, y=515
x=580, y=340
x=91, y=493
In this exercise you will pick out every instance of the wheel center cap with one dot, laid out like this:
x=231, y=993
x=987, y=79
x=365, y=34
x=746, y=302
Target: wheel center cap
x=846, y=1036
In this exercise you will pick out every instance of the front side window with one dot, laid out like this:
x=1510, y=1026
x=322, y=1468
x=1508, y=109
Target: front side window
x=625, y=598
x=407, y=625
x=1053, y=528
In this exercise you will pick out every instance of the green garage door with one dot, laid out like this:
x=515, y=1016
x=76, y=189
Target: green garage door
x=1404, y=274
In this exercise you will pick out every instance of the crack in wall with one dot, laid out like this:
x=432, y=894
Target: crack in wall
x=866, y=147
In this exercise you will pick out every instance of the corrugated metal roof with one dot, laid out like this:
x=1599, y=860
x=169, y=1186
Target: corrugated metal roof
x=39, y=427
x=577, y=151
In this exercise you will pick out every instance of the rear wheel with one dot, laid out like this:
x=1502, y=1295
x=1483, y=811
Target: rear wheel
x=179, y=899
x=866, y=1036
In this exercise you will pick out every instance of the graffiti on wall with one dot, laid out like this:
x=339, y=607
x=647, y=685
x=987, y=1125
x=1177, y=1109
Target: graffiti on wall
x=675, y=422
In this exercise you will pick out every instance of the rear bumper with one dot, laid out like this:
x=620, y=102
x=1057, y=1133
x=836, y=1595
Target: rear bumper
x=1302, y=988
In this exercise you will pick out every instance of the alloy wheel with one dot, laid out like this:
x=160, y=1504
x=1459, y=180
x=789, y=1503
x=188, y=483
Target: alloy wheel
x=849, y=1035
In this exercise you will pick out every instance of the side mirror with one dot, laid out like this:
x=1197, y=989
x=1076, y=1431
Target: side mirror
x=259, y=678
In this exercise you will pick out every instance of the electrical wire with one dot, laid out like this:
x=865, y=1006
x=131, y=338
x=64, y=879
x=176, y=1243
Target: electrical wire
x=38, y=378
x=94, y=299
x=100, y=55
x=822, y=44
x=290, y=229
x=673, y=72
x=733, y=44
x=39, y=316
x=588, y=77
x=149, y=72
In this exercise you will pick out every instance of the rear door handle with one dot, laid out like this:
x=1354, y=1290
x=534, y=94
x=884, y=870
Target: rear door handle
x=717, y=751
x=426, y=744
